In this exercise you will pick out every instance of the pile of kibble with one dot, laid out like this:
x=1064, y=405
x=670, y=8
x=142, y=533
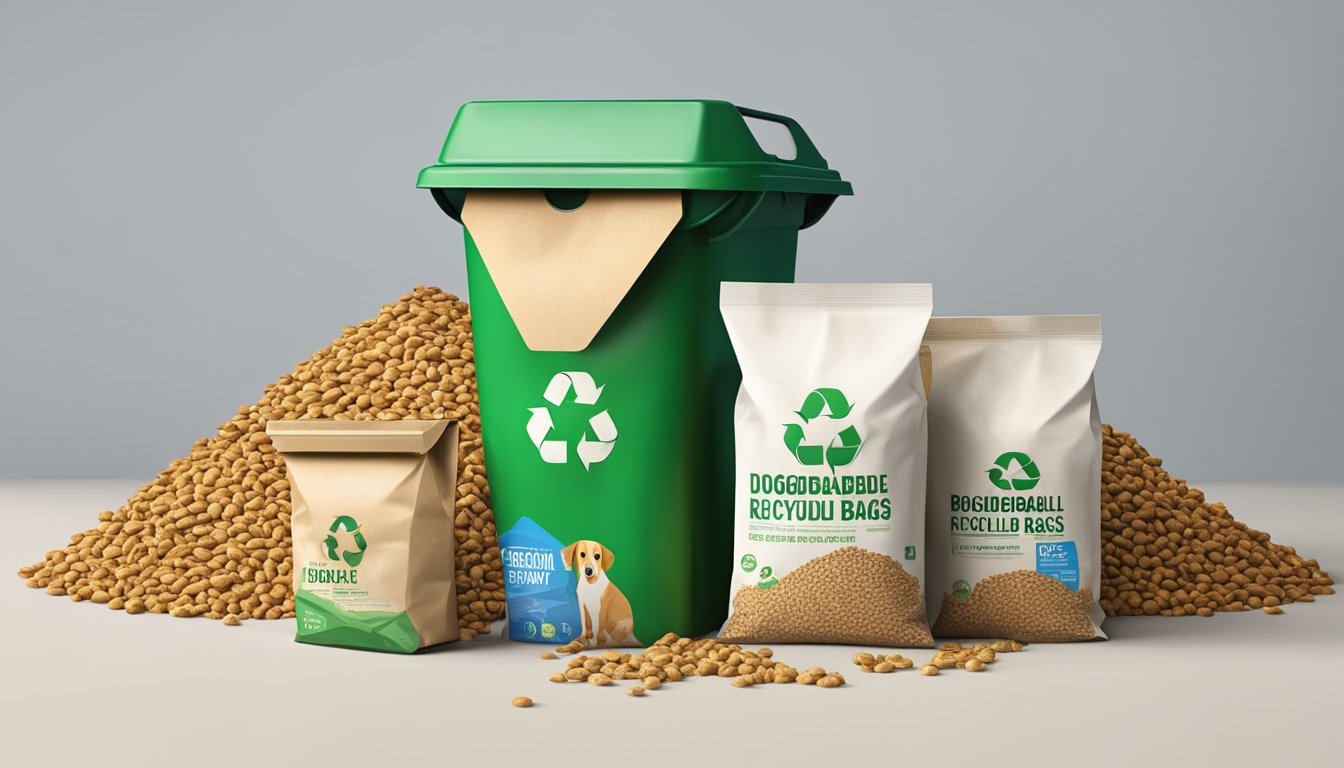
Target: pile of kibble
x=210, y=535
x=1166, y=550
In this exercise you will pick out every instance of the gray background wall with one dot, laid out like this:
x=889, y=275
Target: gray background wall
x=193, y=197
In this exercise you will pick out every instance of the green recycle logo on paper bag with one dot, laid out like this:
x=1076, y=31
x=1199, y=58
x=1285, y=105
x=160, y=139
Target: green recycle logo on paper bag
x=344, y=541
x=842, y=449
x=541, y=424
x=1014, y=471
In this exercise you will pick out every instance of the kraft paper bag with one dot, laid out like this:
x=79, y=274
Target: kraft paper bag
x=373, y=531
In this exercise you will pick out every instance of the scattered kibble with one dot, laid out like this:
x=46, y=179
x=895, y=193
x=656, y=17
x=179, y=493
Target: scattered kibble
x=675, y=658
x=972, y=658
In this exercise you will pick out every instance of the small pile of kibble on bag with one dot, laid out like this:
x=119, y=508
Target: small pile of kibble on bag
x=210, y=536
x=1168, y=551
x=675, y=658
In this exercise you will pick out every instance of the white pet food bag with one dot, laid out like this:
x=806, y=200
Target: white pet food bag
x=830, y=435
x=1014, y=502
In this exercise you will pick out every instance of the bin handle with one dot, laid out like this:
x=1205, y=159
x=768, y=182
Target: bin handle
x=805, y=151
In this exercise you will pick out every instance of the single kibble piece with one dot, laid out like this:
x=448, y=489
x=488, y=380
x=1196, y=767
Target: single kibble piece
x=231, y=620
x=884, y=666
x=548, y=655
x=652, y=683
x=1272, y=610
x=210, y=536
x=928, y=670
x=636, y=691
x=975, y=665
x=522, y=701
x=599, y=679
x=558, y=677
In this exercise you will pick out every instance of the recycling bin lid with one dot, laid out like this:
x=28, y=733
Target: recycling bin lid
x=691, y=144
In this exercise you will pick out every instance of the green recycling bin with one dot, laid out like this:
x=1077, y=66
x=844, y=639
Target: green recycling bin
x=597, y=233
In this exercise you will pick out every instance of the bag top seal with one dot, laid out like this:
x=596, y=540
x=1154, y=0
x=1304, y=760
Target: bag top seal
x=348, y=436
x=1085, y=327
x=849, y=295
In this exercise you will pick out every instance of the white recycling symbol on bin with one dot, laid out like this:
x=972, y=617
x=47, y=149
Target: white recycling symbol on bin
x=540, y=425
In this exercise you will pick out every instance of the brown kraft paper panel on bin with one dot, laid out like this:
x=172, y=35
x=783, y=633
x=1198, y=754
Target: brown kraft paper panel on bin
x=562, y=273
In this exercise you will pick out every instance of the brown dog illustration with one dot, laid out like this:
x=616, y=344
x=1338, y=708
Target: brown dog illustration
x=607, y=618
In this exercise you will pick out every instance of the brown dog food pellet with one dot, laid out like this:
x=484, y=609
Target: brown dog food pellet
x=521, y=701
x=1167, y=550
x=210, y=535
x=850, y=595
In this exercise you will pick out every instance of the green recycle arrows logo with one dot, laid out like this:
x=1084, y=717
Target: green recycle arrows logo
x=842, y=449
x=1014, y=471
x=541, y=425
x=344, y=541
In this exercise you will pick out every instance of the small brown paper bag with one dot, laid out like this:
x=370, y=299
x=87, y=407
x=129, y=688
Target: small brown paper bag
x=373, y=536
